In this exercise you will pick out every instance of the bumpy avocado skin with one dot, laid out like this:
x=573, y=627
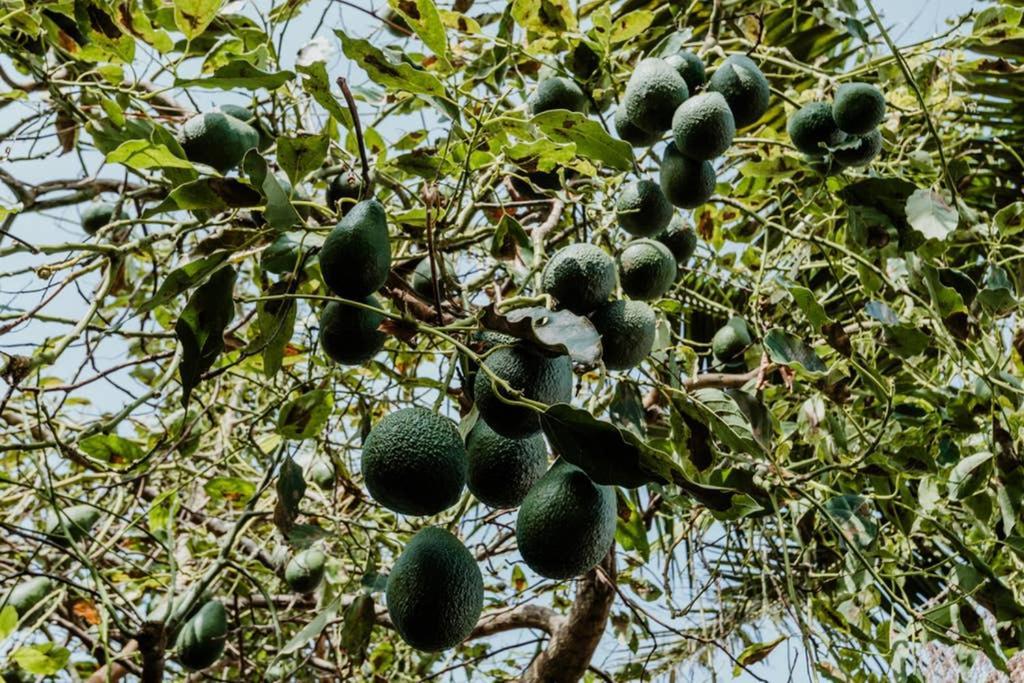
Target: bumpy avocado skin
x=28, y=594
x=356, y=255
x=349, y=334
x=539, y=377
x=690, y=67
x=642, y=209
x=557, y=92
x=566, y=523
x=647, y=269
x=630, y=133
x=812, y=128
x=344, y=191
x=653, y=93
x=502, y=470
x=627, y=333
x=687, y=183
x=305, y=571
x=435, y=592
x=580, y=276
x=703, y=126
x=862, y=150
x=96, y=215
x=730, y=341
x=414, y=462
x=680, y=238
x=201, y=639
x=217, y=140
x=858, y=108
x=744, y=87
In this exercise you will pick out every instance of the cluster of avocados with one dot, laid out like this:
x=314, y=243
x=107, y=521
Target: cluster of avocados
x=842, y=133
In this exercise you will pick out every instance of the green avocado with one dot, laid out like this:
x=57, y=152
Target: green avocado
x=217, y=140
x=502, y=470
x=323, y=474
x=538, y=377
x=566, y=523
x=97, y=215
x=422, y=278
x=680, y=238
x=730, y=341
x=627, y=333
x=349, y=334
x=859, y=151
x=642, y=209
x=647, y=269
x=247, y=116
x=687, y=183
x=858, y=108
x=201, y=639
x=557, y=92
x=580, y=277
x=653, y=93
x=283, y=255
x=344, y=191
x=74, y=524
x=630, y=133
x=690, y=67
x=28, y=594
x=481, y=342
x=435, y=592
x=414, y=462
x=305, y=571
x=703, y=126
x=812, y=129
x=356, y=256
x=744, y=87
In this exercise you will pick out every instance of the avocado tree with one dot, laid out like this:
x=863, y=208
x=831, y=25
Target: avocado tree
x=549, y=340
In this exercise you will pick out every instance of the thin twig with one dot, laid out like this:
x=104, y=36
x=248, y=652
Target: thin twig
x=343, y=84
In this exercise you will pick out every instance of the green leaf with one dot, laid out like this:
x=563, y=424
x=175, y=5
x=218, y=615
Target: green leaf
x=318, y=86
x=279, y=212
x=752, y=654
x=200, y=329
x=999, y=295
x=216, y=194
x=238, y=74
x=556, y=331
x=304, y=416
x=44, y=659
x=544, y=16
x=787, y=349
x=727, y=422
x=631, y=25
x=510, y=239
x=8, y=621
x=357, y=627
x=931, y=215
x=810, y=306
x=398, y=76
x=423, y=18
x=183, y=278
x=111, y=448
x=193, y=16
x=300, y=155
x=853, y=515
x=232, y=489
x=969, y=475
x=291, y=487
x=275, y=321
x=143, y=154
x=313, y=629
x=631, y=534
x=1010, y=219
x=591, y=140
x=627, y=408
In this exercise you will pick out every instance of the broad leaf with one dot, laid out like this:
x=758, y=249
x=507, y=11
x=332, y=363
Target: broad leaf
x=111, y=448
x=313, y=629
x=787, y=349
x=357, y=627
x=184, y=278
x=969, y=475
x=193, y=16
x=300, y=155
x=397, y=75
x=304, y=416
x=291, y=487
x=200, y=329
x=931, y=215
x=853, y=515
x=238, y=75
x=556, y=331
x=591, y=140
x=143, y=154
x=279, y=212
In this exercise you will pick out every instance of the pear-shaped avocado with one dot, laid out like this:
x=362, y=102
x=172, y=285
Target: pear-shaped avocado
x=647, y=269
x=859, y=151
x=627, y=333
x=703, y=126
x=744, y=87
x=690, y=67
x=536, y=376
x=356, y=255
x=305, y=571
x=217, y=139
x=642, y=208
x=502, y=470
x=812, y=129
x=557, y=93
x=680, y=238
x=580, y=276
x=686, y=182
x=201, y=639
x=653, y=93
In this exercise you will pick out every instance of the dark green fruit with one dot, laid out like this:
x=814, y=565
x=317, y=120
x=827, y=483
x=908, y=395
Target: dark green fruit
x=859, y=151
x=731, y=340
x=812, y=129
x=28, y=594
x=97, y=215
x=680, y=238
x=502, y=470
x=322, y=474
x=538, y=377
x=435, y=591
x=690, y=67
x=217, y=140
x=652, y=95
x=414, y=462
x=642, y=208
x=422, y=278
x=201, y=639
x=686, y=183
x=566, y=523
x=744, y=87
x=305, y=571
x=582, y=61
x=356, y=255
x=630, y=133
x=74, y=523
x=858, y=108
x=344, y=191
x=580, y=277
x=647, y=269
x=557, y=93
x=703, y=126
x=349, y=334
x=627, y=333
x=481, y=342
x=247, y=116
x=283, y=255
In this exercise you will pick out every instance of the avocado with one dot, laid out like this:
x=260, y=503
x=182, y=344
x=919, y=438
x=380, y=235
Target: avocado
x=630, y=133
x=97, y=215
x=580, y=277
x=422, y=278
x=349, y=334
x=680, y=238
x=283, y=255
x=481, y=342
x=859, y=151
x=690, y=67
x=323, y=474
x=566, y=523
x=538, y=377
x=744, y=87
x=642, y=209
x=247, y=116
x=414, y=462
x=217, y=140
x=28, y=594
x=627, y=333
x=356, y=255
x=653, y=93
x=344, y=191
x=687, y=183
x=858, y=108
x=647, y=269
x=305, y=571
x=201, y=639
x=74, y=523
x=557, y=92
x=703, y=126
x=502, y=470
x=812, y=129
x=435, y=592
x=730, y=341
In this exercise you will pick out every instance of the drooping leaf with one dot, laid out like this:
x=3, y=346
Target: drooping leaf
x=591, y=140
x=183, y=278
x=216, y=194
x=238, y=75
x=279, y=213
x=304, y=416
x=627, y=408
x=357, y=627
x=423, y=18
x=724, y=418
x=544, y=16
x=787, y=349
x=143, y=154
x=853, y=515
x=232, y=489
x=752, y=654
x=200, y=329
x=291, y=487
x=969, y=475
x=317, y=84
x=556, y=331
x=313, y=629
x=395, y=75
x=275, y=321
x=999, y=295
x=44, y=659
x=510, y=239
x=111, y=448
